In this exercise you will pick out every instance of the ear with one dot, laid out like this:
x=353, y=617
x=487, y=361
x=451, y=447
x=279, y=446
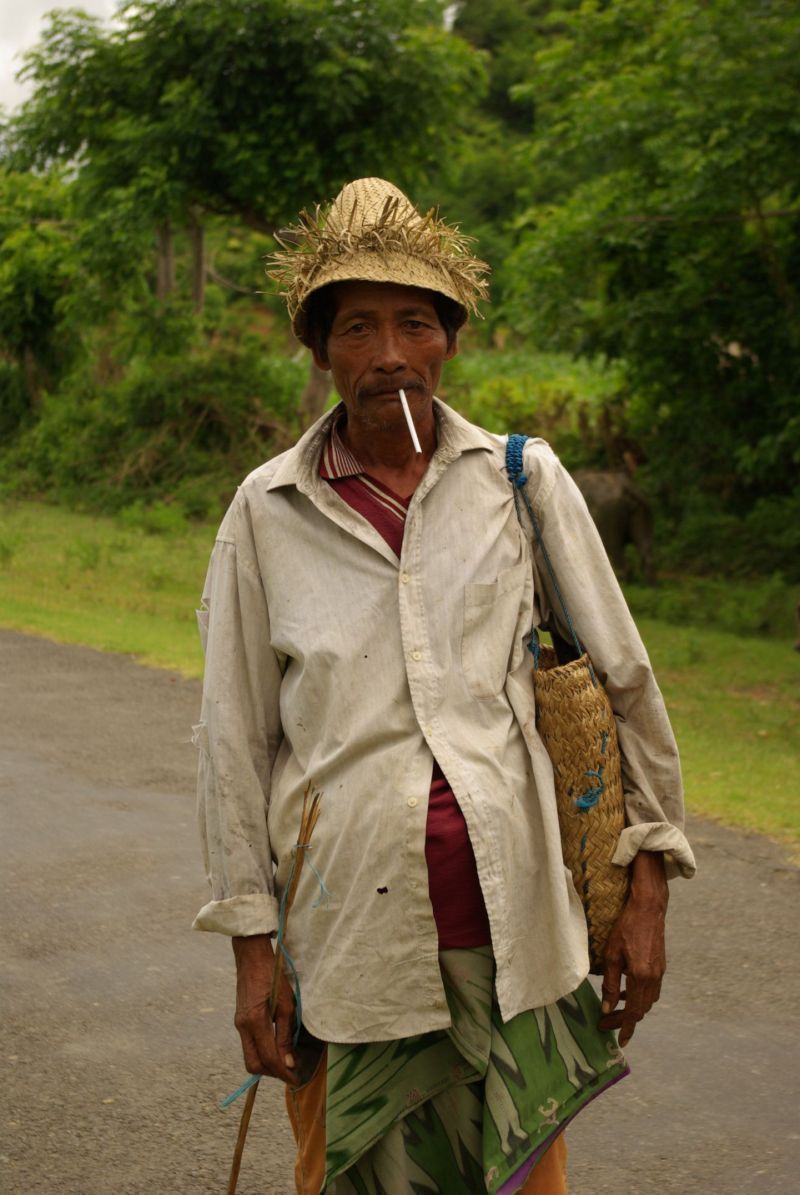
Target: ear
x=320, y=358
x=452, y=348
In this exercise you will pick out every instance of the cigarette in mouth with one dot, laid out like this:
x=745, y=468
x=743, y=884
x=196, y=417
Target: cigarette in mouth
x=411, y=429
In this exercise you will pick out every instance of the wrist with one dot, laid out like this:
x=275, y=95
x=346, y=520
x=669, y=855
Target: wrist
x=649, y=880
x=255, y=946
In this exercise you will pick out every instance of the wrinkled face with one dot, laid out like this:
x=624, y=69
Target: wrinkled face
x=384, y=338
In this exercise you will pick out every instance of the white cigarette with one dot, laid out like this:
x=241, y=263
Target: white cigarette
x=411, y=429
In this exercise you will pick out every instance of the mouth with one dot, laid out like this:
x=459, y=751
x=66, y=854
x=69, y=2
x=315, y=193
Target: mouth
x=391, y=392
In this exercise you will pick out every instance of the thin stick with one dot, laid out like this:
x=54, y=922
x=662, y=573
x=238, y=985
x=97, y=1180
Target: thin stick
x=412, y=430
x=308, y=820
x=244, y=1124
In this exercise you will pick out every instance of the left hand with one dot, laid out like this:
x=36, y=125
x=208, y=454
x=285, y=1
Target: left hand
x=636, y=947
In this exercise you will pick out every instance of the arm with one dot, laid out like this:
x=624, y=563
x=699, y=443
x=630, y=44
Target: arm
x=238, y=736
x=651, y=773
x=653, y=842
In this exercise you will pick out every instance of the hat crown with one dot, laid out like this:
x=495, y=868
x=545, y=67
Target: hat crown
x=367, y=202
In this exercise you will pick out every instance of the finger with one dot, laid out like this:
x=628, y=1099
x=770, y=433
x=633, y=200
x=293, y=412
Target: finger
x=626, y=1032
x=612, y=981
x=252, y=1061
x=612, y=1020
x=259, y=1047
x=638, y=1003
x=272, y=1061
x=284, y=1036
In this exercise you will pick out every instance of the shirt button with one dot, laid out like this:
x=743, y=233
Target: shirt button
x=412, y=884
x=416, y=655
x=412, y=802
x=427, y=730
x=404, y=577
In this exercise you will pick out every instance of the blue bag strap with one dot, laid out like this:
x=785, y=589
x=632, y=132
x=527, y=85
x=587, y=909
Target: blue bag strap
x=518, y=479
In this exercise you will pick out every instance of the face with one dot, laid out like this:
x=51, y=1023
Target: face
x=384, y=338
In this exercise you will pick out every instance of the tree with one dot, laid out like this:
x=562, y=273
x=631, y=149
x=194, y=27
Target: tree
x=38, y=270
x=486, y=175
x=195, y=106
x=665, y=230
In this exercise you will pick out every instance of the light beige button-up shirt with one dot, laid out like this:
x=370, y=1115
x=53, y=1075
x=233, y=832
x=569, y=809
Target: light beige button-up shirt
x=330, y=660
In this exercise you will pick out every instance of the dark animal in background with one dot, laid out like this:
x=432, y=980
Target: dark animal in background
x=622, y=515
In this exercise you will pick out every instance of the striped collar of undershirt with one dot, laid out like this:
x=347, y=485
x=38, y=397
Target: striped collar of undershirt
x=337, y=460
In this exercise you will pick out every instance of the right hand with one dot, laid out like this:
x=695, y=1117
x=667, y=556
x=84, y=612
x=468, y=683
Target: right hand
x=267, y=1046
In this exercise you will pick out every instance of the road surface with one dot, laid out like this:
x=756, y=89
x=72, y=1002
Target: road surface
x=117, y=1034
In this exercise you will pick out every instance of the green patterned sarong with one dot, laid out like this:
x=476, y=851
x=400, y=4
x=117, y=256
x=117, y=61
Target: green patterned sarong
x=470, y=1108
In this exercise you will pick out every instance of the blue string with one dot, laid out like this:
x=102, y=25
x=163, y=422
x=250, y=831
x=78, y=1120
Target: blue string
x=324, y=894
x=248, y=1083
x=514, y=467
x=589, y=799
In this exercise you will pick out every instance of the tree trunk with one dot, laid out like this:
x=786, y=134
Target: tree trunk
x=198, y=247
x=165, y=261
x=315, y=395
x=30, y=374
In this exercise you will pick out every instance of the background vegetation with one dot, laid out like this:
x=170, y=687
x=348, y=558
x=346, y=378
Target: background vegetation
x=630, y=170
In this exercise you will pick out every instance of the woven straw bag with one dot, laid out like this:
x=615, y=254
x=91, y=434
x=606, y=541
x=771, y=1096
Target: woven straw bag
x=577, y=726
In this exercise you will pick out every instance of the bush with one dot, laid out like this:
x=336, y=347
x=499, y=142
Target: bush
x=759, y=606
x=176, y=429
x=566, y=401
x=710, y=540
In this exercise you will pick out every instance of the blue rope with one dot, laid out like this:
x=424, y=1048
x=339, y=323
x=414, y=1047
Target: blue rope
x=248, y=1083
x=514, y=468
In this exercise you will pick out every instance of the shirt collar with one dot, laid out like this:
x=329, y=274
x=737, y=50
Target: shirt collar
x=337, y=460
x=300, y=466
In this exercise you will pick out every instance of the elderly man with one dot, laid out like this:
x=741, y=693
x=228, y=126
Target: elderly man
x=366, y=611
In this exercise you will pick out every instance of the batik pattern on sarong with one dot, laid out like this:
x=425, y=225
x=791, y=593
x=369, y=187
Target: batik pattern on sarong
x=466, y=1109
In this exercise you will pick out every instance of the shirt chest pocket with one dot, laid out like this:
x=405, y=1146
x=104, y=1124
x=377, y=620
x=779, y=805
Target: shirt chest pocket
x=491, y=615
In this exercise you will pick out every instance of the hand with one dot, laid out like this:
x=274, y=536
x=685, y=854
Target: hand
x=636, y=947
x=267, y=1046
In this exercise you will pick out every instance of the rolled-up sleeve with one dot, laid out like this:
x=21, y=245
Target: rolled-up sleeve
x=651, y=771
x=238, y=735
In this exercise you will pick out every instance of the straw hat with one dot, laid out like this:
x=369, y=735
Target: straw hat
x=372, y=232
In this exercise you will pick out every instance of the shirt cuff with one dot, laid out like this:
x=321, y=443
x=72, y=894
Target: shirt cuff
x=239, y=916
x=657, y=836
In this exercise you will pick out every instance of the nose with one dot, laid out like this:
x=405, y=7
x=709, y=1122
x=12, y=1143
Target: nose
x=389, y=357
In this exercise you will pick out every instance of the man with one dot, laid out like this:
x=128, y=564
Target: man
x=367, y=609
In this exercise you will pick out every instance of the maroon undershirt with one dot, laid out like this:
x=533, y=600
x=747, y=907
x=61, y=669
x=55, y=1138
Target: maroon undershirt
x=455, y=891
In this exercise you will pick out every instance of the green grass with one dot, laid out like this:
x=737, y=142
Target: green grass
x=734, y=702
x=115, y=585
x=105, y=583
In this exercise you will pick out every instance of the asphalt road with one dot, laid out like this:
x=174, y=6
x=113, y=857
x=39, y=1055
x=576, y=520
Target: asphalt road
x=116, y=1027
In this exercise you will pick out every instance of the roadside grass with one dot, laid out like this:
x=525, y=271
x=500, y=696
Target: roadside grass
x=131, y=585
x=734, y=702
x=120, y=585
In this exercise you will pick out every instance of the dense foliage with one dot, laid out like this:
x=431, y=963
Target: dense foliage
x=630, y=171
x=665, y=232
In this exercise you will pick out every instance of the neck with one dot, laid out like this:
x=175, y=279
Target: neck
x=386, y=450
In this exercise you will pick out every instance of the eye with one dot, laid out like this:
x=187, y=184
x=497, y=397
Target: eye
x=357, y=328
